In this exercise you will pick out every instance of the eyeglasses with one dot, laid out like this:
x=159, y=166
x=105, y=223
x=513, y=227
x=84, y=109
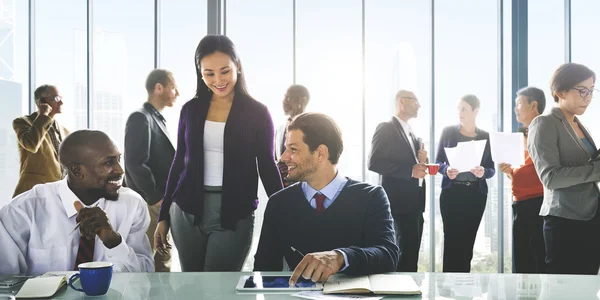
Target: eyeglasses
x=584, y=92
x=410, y=98
x=55, y=98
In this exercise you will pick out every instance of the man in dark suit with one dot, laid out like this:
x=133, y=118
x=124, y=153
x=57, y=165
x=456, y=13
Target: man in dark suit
x=399, y=157
x=149, y=151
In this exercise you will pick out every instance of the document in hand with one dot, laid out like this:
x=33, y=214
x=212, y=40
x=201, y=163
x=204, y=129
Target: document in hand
x=508, y=147
x=382, y=284
x=466, y=155
x=44, y=286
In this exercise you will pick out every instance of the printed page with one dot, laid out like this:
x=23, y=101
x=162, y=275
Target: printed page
x=318, y=295
x=508, y=147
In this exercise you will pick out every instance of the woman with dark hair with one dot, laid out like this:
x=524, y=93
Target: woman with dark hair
x=294, y=103
x=529, y=252
x=464, y=194
x=225, y=139
x=565, y=157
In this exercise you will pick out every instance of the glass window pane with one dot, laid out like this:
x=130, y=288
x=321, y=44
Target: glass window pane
x=328, y=57
x=123, y=57
x=398, y=57
x=14, y=86
x=178, y=41
x=60, y=56
x=546, y=42
x=269, y=71
x=585, y=48
x=508, y=113
x=466, y=52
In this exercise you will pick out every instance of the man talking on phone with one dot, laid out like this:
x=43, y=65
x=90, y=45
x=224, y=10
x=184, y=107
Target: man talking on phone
x=325, y=223
x=38, y=138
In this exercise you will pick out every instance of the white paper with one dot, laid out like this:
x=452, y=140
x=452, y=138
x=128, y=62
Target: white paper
x=508, y=148
x=394, y=284
x=466, y=155
x=318, y=295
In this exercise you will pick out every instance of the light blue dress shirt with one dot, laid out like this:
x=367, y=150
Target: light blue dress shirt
x=331, y=191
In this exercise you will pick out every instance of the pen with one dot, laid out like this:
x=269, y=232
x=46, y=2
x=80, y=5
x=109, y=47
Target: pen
x=296, y=250
x=77, y=226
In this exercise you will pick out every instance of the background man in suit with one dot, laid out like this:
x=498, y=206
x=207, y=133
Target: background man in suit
x=149, y=151
x=398, y=156
x=39, y=137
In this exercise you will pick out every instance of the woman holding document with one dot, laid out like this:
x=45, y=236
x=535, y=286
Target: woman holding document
x=565, y=158
x=529, y=253
x=464, y=194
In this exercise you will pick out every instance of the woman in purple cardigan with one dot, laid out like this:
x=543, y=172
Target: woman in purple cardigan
x=211, y=193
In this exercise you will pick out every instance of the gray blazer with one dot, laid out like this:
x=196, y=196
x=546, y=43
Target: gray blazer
x=563, y=163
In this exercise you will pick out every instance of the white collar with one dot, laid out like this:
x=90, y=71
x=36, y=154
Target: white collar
x=68, y=198
x=405, y=125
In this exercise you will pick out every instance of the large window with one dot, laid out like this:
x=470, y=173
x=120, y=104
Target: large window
x=269, y=71
x=585, y=48
x=466, y=52
x=123, y=57
x=328, y=56
x=318, y=44
x=508, y=117
x=546, y=40
x=398, y=56
x=60, y=56
x=182, y=26
x=14, y=71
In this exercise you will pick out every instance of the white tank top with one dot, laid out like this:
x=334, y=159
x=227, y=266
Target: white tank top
x=214, y=133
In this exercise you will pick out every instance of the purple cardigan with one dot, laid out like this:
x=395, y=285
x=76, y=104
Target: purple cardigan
x=248, y=141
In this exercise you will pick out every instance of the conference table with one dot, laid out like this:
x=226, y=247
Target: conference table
x=433, y=286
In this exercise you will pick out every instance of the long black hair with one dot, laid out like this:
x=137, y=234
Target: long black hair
x=209, y=45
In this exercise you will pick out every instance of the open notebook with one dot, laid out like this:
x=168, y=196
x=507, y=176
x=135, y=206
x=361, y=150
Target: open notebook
x=44, y=286
x=382, y=284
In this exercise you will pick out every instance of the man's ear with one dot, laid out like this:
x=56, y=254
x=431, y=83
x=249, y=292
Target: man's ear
x=158, y=88
x=534, y=105
x=76, y=170
x=323, y=152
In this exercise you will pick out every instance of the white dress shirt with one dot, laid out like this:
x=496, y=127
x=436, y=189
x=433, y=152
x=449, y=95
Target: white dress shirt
x=36, y=232
x=407, y=132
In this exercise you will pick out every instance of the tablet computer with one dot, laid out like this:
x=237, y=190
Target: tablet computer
x=275, y=283
x=12, y=280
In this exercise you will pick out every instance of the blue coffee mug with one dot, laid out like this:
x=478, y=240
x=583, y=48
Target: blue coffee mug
x=95, y=278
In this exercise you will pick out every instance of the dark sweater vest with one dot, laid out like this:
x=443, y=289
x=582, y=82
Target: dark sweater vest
x=290, y=221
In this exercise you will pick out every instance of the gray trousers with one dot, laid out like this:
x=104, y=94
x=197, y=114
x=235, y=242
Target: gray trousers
x=207, y=247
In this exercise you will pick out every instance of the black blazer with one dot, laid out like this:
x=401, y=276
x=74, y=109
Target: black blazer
x=148, y=153
x=393, y=158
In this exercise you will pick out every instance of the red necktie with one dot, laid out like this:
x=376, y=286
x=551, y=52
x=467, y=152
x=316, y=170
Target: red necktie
x=320, y=198
x=85, y=252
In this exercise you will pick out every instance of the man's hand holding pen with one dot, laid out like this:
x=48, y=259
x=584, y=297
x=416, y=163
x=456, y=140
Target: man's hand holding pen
x=94, y=221
x=317, y=266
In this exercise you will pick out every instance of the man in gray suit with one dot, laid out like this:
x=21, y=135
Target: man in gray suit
x=149, y=151
x=565, y=158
